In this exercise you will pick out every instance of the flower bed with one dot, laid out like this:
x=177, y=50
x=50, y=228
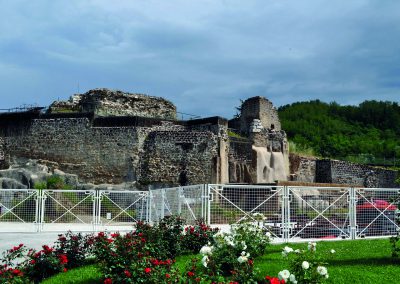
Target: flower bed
x=147, y=255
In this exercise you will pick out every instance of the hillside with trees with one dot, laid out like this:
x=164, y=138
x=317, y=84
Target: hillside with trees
x=367, y=133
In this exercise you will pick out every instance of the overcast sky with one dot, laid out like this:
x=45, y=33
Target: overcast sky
x=204, y=56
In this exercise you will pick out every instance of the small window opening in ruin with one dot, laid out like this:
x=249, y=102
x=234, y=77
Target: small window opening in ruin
x=272, y=126
x=183, y=180
x=265, y=173
x=238, y=173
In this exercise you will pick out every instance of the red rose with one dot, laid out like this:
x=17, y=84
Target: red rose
x=274, y=280
x=147, y=270
x=167, y=275
x=190, y=274
x=127, y=273
x=108, y=281
x=32, y=261
x=17, y=272
x=65, y=270
x=63, y=258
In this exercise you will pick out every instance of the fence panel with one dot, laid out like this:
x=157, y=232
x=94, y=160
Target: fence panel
x=319, y=213
x=18, y=210
x=186, y=201
x=119, y=210
x=64, y=210
x=191, y=204
x=231, y=204
x=376, y=212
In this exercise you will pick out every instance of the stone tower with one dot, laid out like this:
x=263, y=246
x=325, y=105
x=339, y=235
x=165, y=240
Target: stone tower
x=259, y=108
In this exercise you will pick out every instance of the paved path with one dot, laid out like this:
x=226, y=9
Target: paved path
x=31, y=240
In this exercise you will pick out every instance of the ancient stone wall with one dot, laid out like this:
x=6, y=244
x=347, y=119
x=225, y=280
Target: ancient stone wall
x=94, y=153
x=105, y=102
x=115, y=154
x=302, y=169
x=178, y=157
x=240, y=161
x=259, y=108
x=343, y=172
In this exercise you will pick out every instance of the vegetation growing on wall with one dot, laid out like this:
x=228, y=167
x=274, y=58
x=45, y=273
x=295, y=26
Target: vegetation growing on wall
x=365, y=133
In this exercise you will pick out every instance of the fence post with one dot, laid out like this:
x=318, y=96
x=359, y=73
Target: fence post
x=97, y=198
x=38, y=209
x=42, y=209
x=180, y=196
x=148, y=211
x=353, y=213
x=285, y=214
x=206, y=204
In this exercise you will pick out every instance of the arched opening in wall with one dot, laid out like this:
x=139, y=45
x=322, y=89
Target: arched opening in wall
x=238, y=173
x=272, y=126
x=183, y=180
x=242, y=173
x=232, y=172
x=247, y=177
x=265, y=173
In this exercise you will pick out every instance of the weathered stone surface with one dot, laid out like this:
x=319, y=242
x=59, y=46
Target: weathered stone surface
x=105, y=102
x=11, y=183
x=261, y=109
x=302, y=169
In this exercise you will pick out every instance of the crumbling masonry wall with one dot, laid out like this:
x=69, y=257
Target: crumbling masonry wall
x=115, y=154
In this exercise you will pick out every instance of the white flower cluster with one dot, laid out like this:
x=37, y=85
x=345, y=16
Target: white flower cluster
x=305, y=265
x=287, y=276
x=322, y=270
x=312, y=246
x=244, y=257
x=206, y=251
x=286, y=250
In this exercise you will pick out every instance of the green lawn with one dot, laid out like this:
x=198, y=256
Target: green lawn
x=361, y=261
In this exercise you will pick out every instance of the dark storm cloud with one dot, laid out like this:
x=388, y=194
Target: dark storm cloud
x=202, y=55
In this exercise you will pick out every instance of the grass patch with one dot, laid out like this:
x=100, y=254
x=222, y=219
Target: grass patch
x=89, y=274
x=360, y=261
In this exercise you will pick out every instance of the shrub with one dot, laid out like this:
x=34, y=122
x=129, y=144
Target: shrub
x=305, y=266
x=195, y=237
x=130, y=258
x=22, y=266
x=9, y=272
x=75, y=246
x=231, y=256
x=44, y=263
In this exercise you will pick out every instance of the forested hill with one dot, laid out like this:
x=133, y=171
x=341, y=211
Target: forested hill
x=364, y=133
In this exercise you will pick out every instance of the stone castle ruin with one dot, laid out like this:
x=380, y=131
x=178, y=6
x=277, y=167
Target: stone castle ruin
x=105, y=136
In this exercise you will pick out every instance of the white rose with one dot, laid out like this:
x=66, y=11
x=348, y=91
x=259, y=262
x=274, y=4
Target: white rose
x=305, y=265
x=204, y=261
x=312, y=246
x=333, y=251
x=206, y=250
x=292, y=279
x=242, y=259
x=284, y=275
x=322, y=270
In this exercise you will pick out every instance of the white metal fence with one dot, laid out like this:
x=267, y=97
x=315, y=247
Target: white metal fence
x=290, y=213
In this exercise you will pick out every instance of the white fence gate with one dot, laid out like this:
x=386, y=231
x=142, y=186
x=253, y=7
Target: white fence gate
x=290, y=213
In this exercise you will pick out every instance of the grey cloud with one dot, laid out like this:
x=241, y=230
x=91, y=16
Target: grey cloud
x=204, y=55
